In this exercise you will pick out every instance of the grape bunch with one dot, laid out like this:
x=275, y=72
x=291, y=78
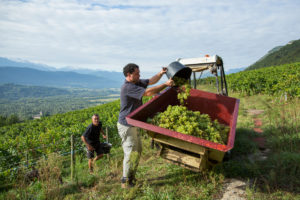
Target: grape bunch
x=184, y=88
x=178, y=118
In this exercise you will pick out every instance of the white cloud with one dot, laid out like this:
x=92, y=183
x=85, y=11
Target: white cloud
x=109, y=34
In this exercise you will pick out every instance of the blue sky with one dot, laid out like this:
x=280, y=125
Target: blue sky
x=108, y=34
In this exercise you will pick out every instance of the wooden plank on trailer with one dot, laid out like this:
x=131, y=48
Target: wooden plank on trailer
x=203, y=162
x=178, y=143
x=183, y=165
x=216, y=155
x=179, y=157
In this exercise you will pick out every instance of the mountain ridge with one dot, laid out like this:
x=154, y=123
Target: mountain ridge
x=34, y=77
x=279, y=55
x=6, y=62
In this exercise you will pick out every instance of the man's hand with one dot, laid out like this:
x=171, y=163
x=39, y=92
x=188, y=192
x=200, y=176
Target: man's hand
x=90, y=148
x=163, y=71
x=104, y=136
x=170, y=83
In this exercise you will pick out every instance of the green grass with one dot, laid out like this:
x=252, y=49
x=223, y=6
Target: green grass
x=276, y=177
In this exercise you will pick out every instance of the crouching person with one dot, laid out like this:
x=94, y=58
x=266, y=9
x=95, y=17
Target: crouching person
x=91, y=138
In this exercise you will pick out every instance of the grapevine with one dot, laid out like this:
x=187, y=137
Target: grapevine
x=35, y=138
x=275, y=81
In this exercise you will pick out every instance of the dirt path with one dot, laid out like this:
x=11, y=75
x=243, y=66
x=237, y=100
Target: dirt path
x=236, y=189
x=260, y=140
x=256, y=119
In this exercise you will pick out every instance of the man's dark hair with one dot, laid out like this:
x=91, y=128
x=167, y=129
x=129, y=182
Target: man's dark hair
x=96, y=115
x=129, y=68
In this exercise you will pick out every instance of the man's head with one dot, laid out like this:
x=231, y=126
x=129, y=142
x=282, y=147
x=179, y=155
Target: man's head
x=95, y=119
x=131, y=72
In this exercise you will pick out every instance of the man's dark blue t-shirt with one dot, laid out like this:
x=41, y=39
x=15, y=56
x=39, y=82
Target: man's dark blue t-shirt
x=92, y=134
x=131, y=98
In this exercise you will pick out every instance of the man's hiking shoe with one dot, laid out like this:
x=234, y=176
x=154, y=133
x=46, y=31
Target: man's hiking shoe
x=91, y=171
x=127, y=183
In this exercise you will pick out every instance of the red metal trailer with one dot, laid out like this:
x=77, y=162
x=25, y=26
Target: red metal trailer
x=186, y=150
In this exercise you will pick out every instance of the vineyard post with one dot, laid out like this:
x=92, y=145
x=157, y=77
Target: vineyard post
x=106, y=132
x=27, y=157
x=27, y=150
x=72, y=157
x=285, y=96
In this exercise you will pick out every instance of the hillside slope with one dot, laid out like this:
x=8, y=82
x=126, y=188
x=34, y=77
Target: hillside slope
x=290, y=53
x=273, y=177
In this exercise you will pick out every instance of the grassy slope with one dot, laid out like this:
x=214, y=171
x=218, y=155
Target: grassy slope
x=274, y=178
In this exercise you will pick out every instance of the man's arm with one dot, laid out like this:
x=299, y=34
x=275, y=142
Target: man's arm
x=103, y=134
x=156, y=89
x=88, y=146
x=157, y=77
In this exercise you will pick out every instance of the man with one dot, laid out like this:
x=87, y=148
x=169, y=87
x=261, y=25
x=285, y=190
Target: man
x=92, y=141
x=131, y=95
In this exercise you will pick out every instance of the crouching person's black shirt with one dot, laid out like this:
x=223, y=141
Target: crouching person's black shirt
x=92, y=134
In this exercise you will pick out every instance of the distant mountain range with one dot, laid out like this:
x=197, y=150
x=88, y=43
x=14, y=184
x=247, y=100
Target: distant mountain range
x=28, y=76
x=27, y=73
x=230, y=71
x=5, y=62
x=279, y=55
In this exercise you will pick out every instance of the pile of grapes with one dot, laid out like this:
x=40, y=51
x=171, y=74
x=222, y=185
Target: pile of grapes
x=178, y=118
